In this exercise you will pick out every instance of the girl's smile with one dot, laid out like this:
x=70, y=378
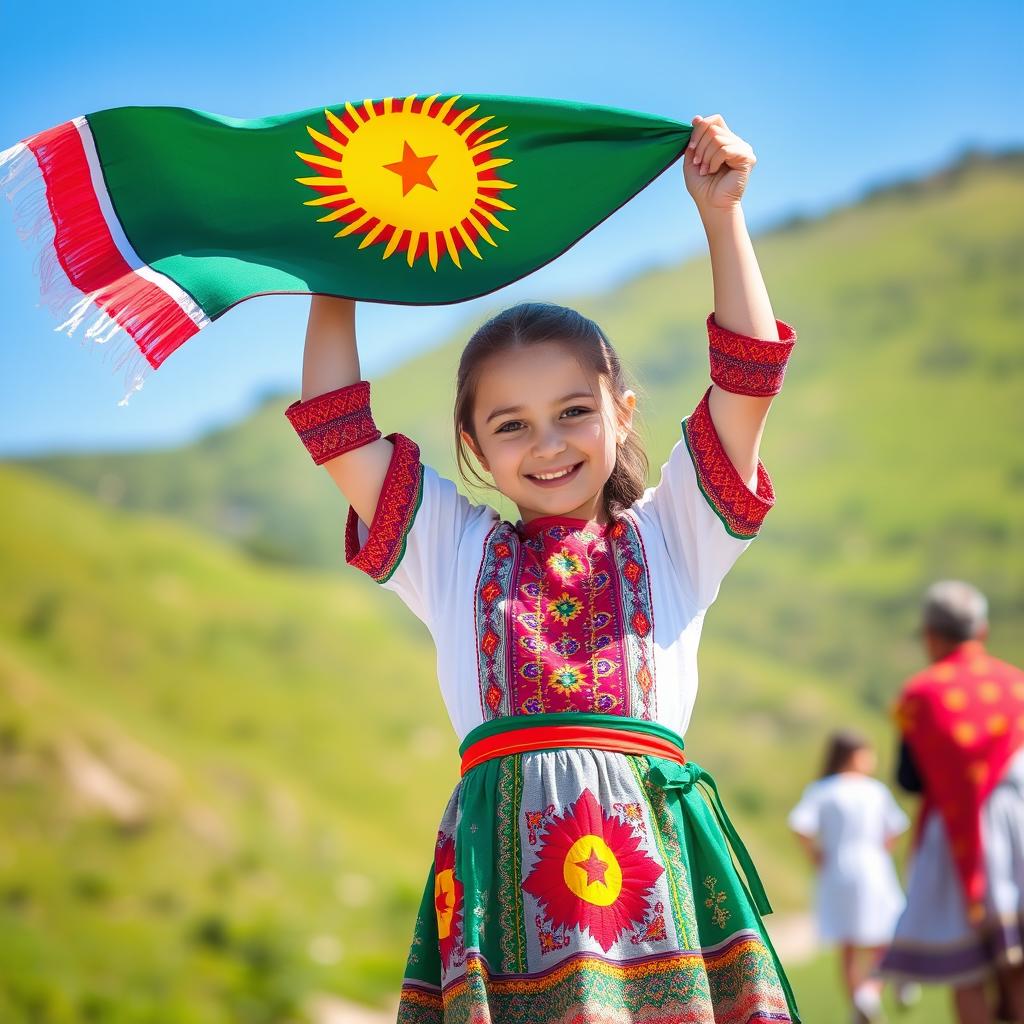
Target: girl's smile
x=555, y=477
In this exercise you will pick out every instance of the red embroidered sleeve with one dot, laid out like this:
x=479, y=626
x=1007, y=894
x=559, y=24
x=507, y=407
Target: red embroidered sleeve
x=749, y=366
x=399, y=501
x=741, y=510
x=334, y=422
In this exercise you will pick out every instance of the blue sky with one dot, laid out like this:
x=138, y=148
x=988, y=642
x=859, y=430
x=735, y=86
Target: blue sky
x=834, y=97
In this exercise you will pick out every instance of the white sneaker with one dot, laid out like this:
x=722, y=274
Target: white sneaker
x=867, y=1000
x=907, y=994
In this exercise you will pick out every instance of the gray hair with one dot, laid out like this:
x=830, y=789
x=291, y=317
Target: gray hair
x=955, y=610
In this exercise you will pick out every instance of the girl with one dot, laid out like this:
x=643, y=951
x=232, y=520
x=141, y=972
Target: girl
x=847, y=822
x=578, y=872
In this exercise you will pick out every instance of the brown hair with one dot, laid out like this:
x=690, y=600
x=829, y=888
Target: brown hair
x=531, y=323
x=842, y=745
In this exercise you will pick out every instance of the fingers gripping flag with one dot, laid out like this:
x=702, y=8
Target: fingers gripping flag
x=154, y=221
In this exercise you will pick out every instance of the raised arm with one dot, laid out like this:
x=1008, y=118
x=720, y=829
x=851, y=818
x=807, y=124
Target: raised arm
x=405, y=524
x=331, y=361
x=716, y=167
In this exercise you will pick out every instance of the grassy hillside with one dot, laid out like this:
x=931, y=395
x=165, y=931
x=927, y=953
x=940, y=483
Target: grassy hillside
x=192, y=802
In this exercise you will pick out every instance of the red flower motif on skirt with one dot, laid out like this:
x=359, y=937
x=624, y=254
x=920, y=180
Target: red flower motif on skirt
x=591, y=873
x=448, y=901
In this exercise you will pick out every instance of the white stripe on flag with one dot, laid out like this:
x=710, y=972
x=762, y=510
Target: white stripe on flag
x=188, y=305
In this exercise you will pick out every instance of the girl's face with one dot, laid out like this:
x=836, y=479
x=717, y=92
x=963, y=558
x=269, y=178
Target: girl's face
x=862, y=760
x=539, y=411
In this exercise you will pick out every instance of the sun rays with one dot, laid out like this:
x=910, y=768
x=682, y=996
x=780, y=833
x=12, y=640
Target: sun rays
x=412, y=175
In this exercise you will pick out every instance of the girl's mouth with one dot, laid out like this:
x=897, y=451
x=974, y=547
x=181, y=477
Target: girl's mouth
x=558, y=480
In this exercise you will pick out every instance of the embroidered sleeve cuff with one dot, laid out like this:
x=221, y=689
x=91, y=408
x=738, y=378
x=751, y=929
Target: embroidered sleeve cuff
x=399, y=501
x=749, y=366
x=335, y=422
x=741, y=510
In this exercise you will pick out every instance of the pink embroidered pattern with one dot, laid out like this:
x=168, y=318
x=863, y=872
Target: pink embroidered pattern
x=566, y=653
x=399, y=501
x=749, y=366
x=740, y=510
x=591, y=873
x=564, y=620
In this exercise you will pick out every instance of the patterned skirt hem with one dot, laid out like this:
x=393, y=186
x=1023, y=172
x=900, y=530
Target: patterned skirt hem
x=998, y=944
x=685, y=987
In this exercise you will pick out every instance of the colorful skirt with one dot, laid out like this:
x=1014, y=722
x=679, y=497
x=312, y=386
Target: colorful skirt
x=934, y=942
x=584, y=873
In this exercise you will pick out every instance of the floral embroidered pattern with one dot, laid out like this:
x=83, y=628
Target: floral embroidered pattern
x=550, y=939
x=565, y=608
x=634, y=814
x=654, y=930
x=566, y=564
x=591, y=873
x=740, y=510
x=534, y=821
x=397, y=506
x=564, y=621
x=567, y=679
x=719, y=914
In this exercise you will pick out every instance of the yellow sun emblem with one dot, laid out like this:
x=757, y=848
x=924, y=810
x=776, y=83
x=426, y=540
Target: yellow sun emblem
x=413, y=175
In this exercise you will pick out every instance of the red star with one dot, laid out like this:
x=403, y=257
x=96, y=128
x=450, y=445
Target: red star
x=442, y=904
x=414, y=170
x=594, y=867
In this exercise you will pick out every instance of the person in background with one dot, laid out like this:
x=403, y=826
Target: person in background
x=848, y=821
x=961, y=722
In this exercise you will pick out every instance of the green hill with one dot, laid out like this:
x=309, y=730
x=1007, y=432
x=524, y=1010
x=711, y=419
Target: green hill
x=191, y=790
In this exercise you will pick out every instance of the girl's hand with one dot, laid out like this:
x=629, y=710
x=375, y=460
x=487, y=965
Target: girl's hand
x=716, y=165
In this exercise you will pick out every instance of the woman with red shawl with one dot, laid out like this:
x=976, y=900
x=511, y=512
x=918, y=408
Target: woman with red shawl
x=962, y=726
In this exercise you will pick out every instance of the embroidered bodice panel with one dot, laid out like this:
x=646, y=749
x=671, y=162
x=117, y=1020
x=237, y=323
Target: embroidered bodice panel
x=564, y=620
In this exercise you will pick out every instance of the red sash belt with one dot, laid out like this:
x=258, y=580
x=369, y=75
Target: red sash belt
x=546, y=737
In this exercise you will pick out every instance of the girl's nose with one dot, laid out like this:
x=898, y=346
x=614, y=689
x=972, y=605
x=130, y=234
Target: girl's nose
x=550, y=443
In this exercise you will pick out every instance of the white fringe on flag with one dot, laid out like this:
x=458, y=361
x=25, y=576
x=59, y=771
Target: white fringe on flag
x=20, y=173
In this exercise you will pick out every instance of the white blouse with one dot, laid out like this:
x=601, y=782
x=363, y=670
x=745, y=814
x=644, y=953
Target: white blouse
x=561, y=614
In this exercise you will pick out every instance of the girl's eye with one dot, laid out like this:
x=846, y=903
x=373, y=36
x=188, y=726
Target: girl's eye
x=512, y=423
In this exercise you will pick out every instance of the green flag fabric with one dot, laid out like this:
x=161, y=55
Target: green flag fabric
x=157, y=220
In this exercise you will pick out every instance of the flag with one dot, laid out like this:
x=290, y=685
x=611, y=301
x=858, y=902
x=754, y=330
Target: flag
x=155, y=221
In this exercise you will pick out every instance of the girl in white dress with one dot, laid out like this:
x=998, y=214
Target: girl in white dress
x=583, y=868
x=848, y=821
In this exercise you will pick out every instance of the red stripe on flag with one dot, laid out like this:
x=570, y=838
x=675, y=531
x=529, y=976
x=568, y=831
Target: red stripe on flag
x=89, y=256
